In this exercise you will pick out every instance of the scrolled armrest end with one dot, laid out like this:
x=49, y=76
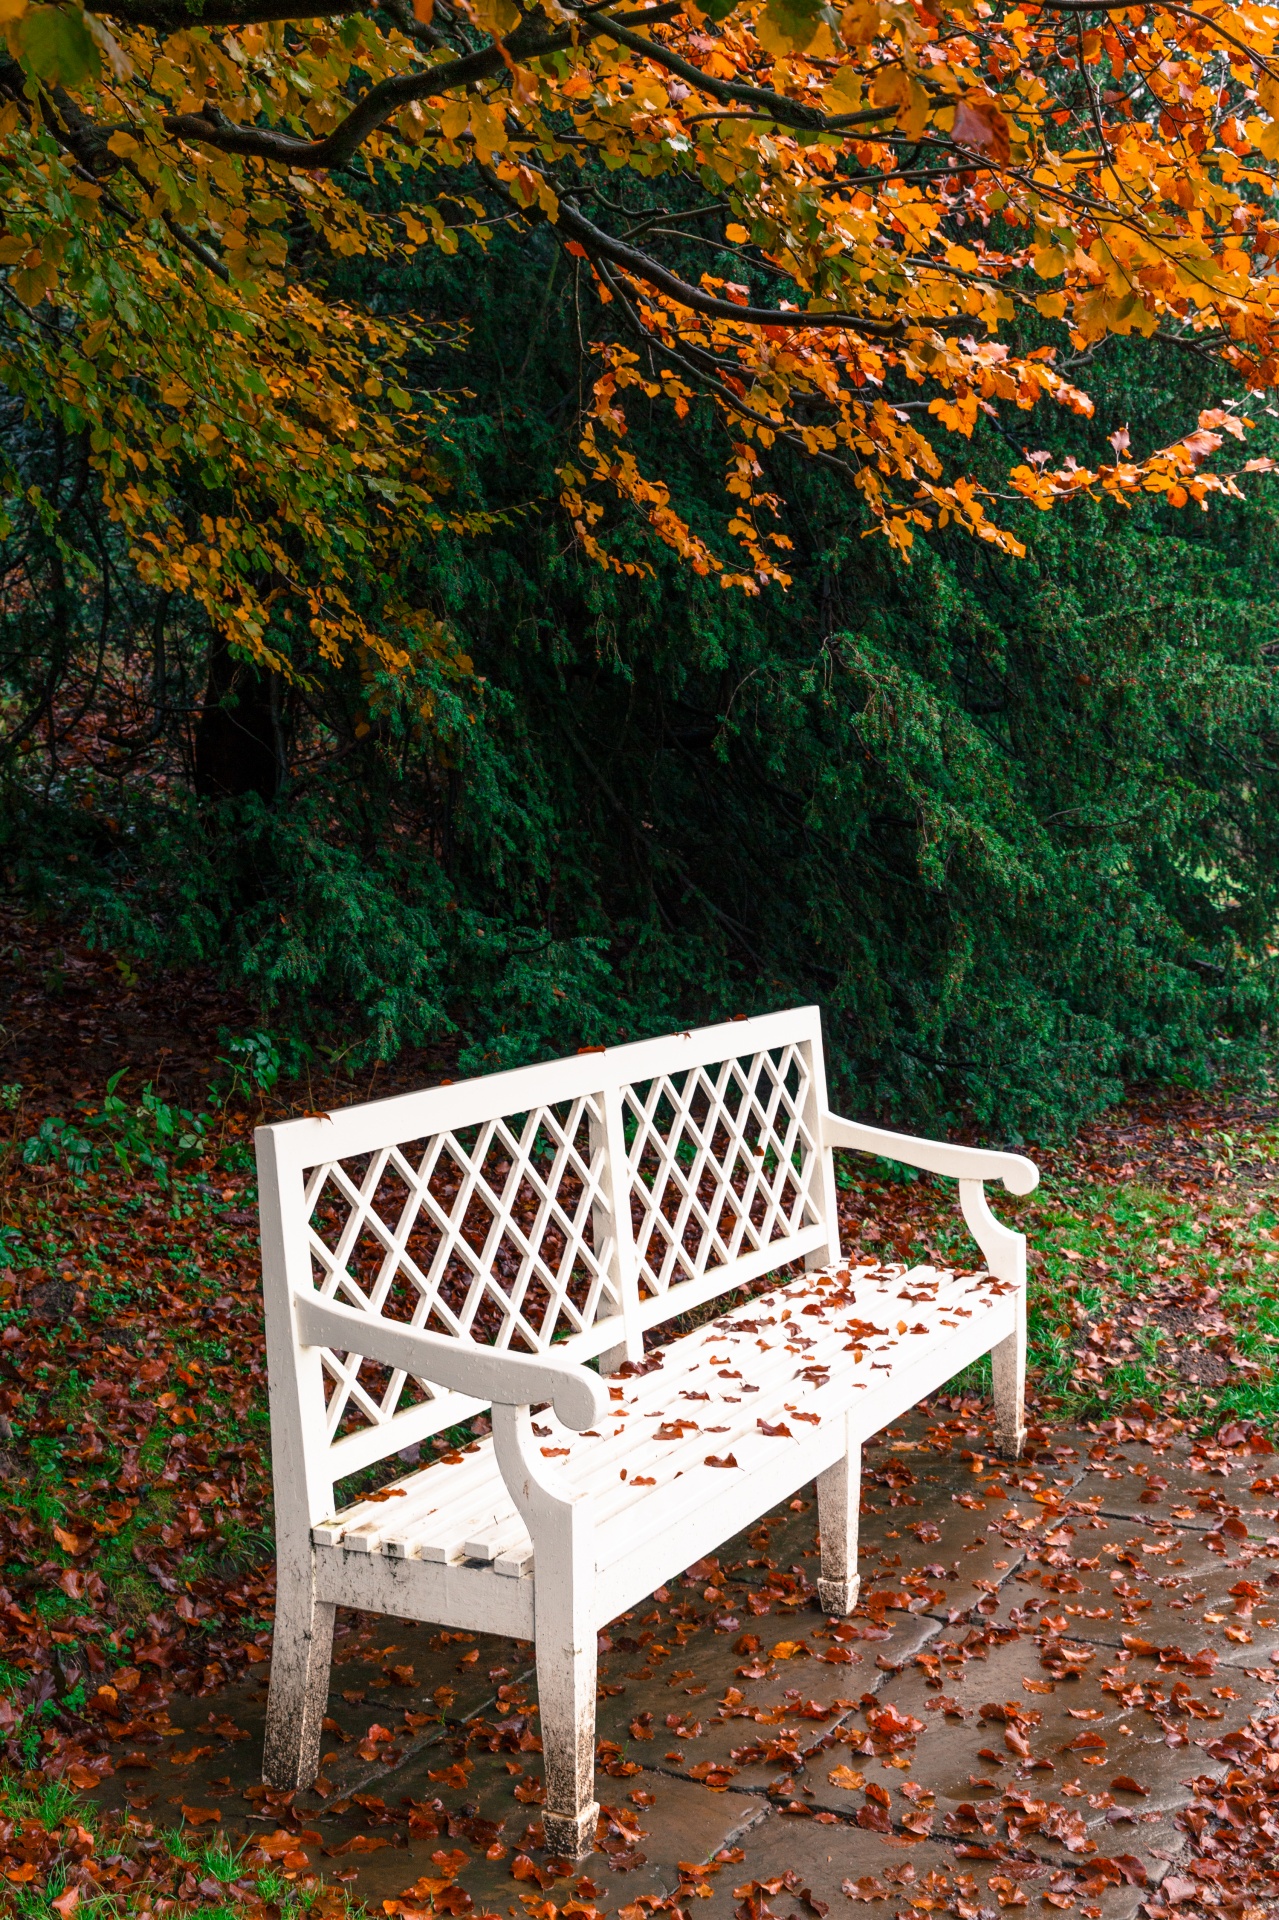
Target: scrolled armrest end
x=579, y=1399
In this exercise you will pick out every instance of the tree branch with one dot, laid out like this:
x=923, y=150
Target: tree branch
x=596, y=241
x=528, y=42
x=787, y=113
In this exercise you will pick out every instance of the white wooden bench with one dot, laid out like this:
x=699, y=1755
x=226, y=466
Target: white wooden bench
x=478, y=1246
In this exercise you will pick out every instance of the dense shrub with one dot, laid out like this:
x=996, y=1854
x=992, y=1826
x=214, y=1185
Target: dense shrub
x=1012, y=822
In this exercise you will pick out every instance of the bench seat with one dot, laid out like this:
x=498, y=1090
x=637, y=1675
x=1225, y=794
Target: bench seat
x=779, y=1361
x=511, y=1246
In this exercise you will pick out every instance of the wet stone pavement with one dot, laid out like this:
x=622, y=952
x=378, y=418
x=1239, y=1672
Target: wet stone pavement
x=1042, y=1661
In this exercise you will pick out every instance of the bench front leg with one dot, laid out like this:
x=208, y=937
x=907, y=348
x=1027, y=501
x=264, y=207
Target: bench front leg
x=301, y=1654
x=1005, y=1255
x=566, y=1680
x=561, y=1525
x=839, y=1496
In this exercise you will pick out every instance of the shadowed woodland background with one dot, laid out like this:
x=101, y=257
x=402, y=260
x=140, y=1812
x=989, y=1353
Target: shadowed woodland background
x=1012, y=822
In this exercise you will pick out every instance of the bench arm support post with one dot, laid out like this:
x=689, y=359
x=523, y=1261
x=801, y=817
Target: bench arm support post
x=561, y=1526
x=1004, y=1252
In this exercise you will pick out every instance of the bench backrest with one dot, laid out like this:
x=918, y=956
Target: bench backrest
x=572, y=1204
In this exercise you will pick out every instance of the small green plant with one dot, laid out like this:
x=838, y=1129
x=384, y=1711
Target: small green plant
x=149, y=1135
x=57, y=1142
x=221, y=1861
x=252, y=1061
x=10, y=1095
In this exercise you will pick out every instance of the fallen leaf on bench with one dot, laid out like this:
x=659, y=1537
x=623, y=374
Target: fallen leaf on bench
x=671, y=1430
x=716, y=1460
x=814, y=1419
x=642, y=1480
x=387, y=1493
x=550, y=1453
x=780, y=1432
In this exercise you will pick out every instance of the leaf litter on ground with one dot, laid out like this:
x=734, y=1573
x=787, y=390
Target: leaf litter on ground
x=135, y=1518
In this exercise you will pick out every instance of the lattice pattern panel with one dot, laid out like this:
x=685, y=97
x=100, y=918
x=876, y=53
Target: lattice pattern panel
x=721, y=1163
x=488, y=1234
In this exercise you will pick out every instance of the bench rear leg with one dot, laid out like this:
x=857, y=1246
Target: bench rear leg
x=1008, y=1369
x=301, y=1652
x=839, y=1495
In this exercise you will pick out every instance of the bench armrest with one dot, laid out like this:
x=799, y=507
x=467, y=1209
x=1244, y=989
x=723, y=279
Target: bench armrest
x=1018, y=1174
x=502, y=1378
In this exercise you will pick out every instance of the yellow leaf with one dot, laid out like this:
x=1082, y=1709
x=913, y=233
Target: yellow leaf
x=11, y=10
x=121, y=143
x=32, y=283
x=738, y=235
x=498, y=17
x=455, y=118
x=1049, y=262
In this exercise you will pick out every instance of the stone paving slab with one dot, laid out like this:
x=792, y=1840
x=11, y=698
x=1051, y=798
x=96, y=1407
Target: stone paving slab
x=980, y=1719
x=829, y=1860
x=1146, y=1580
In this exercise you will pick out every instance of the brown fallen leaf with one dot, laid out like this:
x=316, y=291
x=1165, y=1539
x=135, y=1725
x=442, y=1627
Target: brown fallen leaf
x=276, y=1844
x=1174, y=1888
x=717, y=1460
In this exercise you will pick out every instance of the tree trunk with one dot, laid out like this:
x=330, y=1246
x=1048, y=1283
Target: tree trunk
x=239, y=743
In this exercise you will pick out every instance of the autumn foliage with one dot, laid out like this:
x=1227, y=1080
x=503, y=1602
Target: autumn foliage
x=885, y=221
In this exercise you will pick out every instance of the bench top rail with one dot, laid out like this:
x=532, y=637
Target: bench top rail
x=568, y=1205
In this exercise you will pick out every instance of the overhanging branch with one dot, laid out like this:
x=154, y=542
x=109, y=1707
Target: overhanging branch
x=382, y=102
x=594, y=240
